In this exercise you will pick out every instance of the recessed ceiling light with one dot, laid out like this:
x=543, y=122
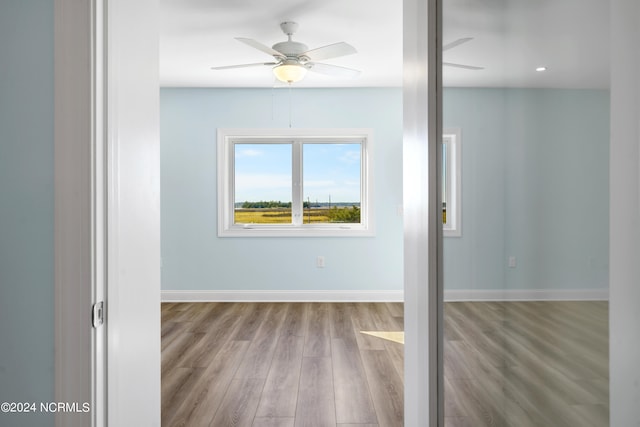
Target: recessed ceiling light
x=539, y=69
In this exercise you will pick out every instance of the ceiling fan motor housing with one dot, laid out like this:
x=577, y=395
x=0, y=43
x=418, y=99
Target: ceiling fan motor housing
x=290, y=48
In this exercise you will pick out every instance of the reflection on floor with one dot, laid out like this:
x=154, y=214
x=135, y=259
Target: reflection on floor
x=391, y=336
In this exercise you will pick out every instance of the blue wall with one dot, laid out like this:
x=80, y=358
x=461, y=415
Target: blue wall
x=194, y=258
x=535, y=186
x=26, y=207
x=534, y=183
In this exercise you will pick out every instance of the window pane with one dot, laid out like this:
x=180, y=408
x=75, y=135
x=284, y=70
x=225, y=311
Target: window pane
x=331, y=183
x=262, y=183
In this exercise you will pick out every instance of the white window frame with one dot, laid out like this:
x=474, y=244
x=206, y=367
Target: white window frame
x=227, y=138
x=452, y=140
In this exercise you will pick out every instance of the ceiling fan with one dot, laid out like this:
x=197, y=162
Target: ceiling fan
x=293, y=59
x=458, y=43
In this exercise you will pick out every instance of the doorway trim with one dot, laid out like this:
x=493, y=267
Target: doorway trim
x=422, y=152
x=132, y=185
x=107, y=210
x=79, y=352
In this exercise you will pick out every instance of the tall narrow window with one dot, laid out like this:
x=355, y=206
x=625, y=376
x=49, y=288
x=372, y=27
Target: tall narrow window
x=294, y=183
x=451, y=183
x=331, y=182
x=262, y=183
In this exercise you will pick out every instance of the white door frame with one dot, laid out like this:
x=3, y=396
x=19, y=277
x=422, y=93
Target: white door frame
x=422, y=216
x=107, y=210
x=118, y=38
x=79, y=215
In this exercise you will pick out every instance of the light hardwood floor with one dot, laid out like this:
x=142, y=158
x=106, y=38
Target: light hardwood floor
x=279, y=364
x=307, y=364
x=526, y=364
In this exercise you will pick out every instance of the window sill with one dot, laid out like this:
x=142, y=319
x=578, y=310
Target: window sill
x=256, y=230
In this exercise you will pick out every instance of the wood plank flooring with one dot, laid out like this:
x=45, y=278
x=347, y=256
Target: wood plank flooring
x=307, y=364
x=526, y=364
x=280, y=364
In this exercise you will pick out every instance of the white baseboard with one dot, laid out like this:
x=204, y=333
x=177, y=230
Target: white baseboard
x=282, y=296
x=526, y=295
x=385, y=296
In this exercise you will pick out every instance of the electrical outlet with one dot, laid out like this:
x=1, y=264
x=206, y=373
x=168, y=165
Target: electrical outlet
x=512, y=262
x=320, y=261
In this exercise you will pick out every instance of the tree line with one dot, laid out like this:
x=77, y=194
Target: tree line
x=263, y=204
x=272, y=204
x=333, y=214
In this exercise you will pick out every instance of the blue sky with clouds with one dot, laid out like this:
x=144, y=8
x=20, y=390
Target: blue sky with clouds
x=264, y=172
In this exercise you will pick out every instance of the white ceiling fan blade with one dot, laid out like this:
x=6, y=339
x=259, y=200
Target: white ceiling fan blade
x=456, y=43
x=257, y=45
x=255, y=64
x=332, y=70
x=330, y=51
x=466, y=67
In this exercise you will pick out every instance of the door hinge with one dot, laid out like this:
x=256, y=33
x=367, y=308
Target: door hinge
x=97, y=314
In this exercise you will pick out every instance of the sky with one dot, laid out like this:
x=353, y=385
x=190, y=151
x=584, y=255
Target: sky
x=330, y=171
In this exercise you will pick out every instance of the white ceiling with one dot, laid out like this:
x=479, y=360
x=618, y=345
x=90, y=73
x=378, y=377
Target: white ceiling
x=511, y=38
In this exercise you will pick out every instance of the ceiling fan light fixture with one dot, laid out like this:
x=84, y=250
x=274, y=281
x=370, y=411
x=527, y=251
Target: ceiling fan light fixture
x=289, y=73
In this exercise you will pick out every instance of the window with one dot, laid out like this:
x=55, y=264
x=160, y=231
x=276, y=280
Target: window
x=451, y=183
x=294, y=182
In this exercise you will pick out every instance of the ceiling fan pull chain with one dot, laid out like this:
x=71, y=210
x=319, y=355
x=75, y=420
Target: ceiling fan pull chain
x=273, y=105
x=289, y=105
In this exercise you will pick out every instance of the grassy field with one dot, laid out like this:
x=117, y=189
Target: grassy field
x=278, y=216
